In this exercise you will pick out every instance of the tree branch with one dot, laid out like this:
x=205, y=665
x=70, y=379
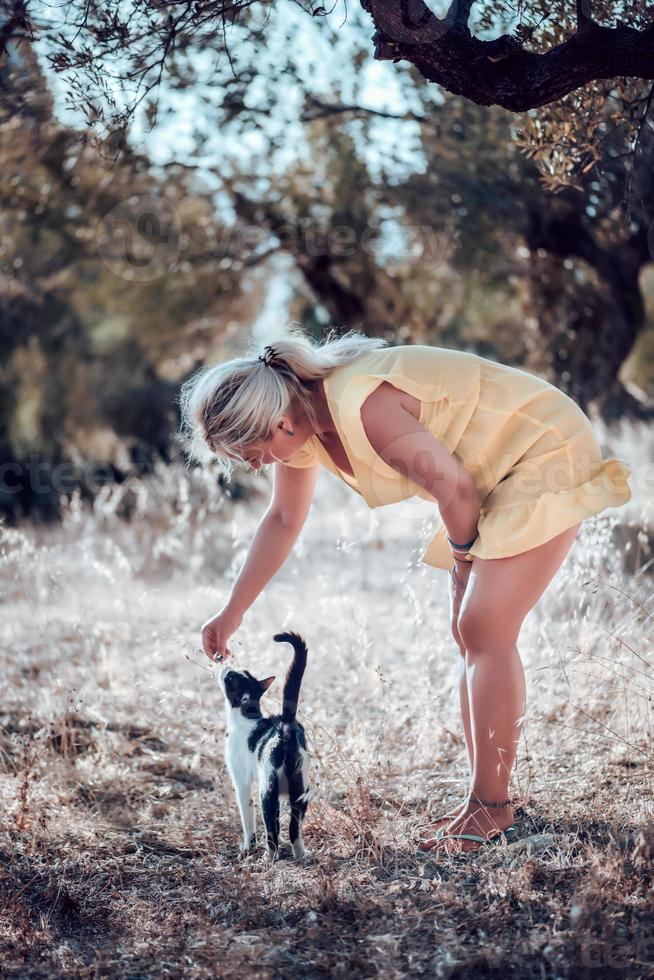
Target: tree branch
x=501, y=72
x=315, y=108
x=17, y=19
x=458, y=14
x=584, y=16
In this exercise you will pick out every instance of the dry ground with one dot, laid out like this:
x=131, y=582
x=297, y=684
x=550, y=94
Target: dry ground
x=120, y=834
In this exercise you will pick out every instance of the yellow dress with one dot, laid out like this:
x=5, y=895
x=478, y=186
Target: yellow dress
x=530, y=449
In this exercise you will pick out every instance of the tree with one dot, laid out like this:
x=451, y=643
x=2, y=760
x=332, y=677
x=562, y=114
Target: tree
x=504, y=71
x=579, y=259
x=501, y=219
x=485, y=255
x=102, y=50
x=116, y=286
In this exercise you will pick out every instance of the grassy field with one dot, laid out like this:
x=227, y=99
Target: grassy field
x=120, y=834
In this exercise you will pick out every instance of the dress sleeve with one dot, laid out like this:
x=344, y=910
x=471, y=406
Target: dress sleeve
x=305, y=457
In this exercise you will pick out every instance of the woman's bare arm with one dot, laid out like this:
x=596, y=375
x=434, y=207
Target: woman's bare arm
x=391, y=424
x=270, y=546
x=276, y=533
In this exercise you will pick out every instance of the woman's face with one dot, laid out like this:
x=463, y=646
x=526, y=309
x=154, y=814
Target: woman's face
x=279, y=448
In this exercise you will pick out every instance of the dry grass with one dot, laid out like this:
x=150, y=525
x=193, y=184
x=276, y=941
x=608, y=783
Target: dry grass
x=120, y=834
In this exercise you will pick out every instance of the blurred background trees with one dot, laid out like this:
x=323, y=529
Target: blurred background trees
x=280, y=173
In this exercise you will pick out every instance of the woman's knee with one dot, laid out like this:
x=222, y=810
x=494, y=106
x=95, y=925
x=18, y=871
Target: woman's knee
x=483, y=631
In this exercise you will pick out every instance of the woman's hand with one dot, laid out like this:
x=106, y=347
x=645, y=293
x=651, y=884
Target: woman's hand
x=217, y=631
x=458, y=580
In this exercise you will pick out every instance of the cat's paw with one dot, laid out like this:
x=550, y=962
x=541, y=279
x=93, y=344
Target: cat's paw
x=303, y=856
x=246, y=849
x=269, y=857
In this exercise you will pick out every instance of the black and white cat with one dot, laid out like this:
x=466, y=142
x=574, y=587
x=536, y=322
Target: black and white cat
x=269, y=751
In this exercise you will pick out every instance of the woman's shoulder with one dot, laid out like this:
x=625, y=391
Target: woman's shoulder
x=411, y=358
x=422, y=370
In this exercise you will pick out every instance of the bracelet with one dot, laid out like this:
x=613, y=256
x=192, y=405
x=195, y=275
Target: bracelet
x=495, y=806
x=462, y=547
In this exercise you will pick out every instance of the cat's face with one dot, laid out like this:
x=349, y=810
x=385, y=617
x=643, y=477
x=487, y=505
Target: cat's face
x=242, y=690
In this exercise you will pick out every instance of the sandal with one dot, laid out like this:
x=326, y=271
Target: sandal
x=508, y=836
x=422, y=850
x=441, y=830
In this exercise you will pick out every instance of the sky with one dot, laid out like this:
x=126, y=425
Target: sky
x=319, y=53
x=332, y=57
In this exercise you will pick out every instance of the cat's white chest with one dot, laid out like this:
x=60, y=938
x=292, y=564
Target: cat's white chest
x=241, y=761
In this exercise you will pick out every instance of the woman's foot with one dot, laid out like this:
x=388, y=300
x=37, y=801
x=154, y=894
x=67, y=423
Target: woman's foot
x=426, y=843
x=475, y=819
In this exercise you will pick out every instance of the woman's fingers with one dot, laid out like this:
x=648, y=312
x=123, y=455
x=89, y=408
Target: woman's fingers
x=216, y=632
x=213, y=644
x=209, y=642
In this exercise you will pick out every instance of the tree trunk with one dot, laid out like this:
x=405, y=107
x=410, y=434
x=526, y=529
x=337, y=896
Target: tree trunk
x=589, y=328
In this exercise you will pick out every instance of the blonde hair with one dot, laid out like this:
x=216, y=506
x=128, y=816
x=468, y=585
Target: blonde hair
x=232, y=405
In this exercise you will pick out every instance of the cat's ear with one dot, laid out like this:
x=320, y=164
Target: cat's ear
x=265, y=684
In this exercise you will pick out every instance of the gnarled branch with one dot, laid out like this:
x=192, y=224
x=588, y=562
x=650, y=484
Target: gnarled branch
x=458, y=14
x=501, y=72
x=584, y=16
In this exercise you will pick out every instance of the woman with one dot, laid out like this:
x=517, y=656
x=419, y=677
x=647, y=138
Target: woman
x=511, y=461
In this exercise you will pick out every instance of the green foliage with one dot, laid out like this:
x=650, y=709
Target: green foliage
x=96, y=328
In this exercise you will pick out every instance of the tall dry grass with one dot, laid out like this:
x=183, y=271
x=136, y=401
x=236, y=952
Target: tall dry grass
x=120, y=834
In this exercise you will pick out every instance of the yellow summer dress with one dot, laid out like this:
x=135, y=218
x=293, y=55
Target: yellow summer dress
x=530, y=449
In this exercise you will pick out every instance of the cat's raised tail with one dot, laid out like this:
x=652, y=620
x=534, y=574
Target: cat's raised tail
x=294, y=674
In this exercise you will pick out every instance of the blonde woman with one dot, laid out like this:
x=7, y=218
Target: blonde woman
x=511, y=462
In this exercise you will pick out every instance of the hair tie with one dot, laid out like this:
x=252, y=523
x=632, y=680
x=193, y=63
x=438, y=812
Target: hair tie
x=269, y=353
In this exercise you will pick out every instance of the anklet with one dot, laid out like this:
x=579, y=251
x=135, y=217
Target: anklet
x=493, y=805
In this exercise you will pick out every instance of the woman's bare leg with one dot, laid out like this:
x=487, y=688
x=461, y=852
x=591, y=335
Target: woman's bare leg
x=464, y=705
x=456, y=598
x=426, y=843
x=499, y=594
